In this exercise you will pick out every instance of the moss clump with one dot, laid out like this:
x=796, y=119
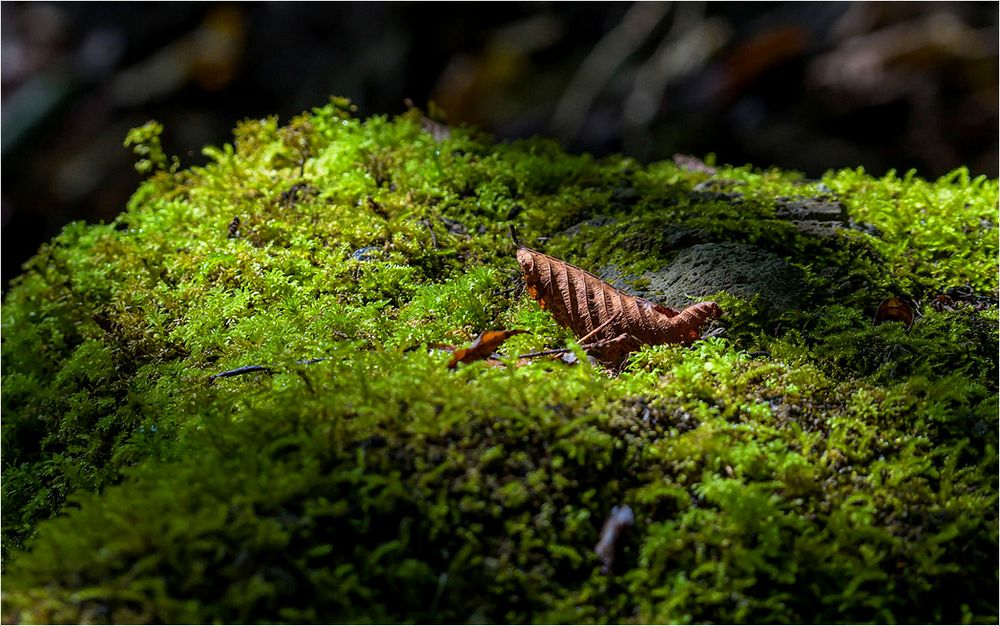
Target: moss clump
x=805, y=466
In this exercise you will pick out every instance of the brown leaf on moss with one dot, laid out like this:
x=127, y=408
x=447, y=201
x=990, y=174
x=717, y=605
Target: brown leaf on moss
x=895, y=310
x=482, y=347
x=592, y=308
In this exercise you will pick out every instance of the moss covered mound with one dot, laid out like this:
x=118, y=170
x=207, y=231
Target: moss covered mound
x=802, y=465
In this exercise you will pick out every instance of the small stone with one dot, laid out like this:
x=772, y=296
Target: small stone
x=368, y=253
x=594, y=222
x=739, y=269
x=625, y=195
x=711, y=196
x=713, y=190
x=454, y=226
x=810, y=209
x=817, y=228
x=864, y=227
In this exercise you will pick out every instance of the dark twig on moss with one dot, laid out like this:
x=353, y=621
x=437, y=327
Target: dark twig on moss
x=594, y=332
x=586, y=347
x=311, y=361
x=430, y=229
x=249, y=369
x=531, y=355
x=239, y=371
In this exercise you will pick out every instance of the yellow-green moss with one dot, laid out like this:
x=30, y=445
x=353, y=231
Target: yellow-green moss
x=808, y=466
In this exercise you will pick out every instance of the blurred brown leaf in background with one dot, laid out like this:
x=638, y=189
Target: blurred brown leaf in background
x=807, y=86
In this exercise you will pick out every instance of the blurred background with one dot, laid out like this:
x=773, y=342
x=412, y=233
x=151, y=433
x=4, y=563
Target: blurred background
x=806, y=86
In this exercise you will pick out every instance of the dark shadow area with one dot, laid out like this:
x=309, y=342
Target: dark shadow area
x=806, y=86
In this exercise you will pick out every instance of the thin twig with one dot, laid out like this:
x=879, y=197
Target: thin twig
x=601, y=327
x=249, y=369
x=239, y=371
x=531, y=355
x=430, y=229
x=586, y=347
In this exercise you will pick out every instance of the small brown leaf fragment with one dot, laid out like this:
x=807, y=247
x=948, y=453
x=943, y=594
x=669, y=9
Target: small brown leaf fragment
x=482, y=347
x=895, y=310
x=621, y=517
x=594, y=309
x=943, y=302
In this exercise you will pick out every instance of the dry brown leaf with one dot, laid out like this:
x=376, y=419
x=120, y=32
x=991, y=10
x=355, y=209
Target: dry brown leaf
x=584, y=303
x=482, y=347
x=895, y=310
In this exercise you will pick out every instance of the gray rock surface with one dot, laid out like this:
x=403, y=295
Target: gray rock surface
x=594, y=222
x=703, y=267
x=812, y=209
x=736, y=268
x=812, y=216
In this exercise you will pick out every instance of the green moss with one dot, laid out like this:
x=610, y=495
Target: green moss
x=809, y=465
x=941, y=233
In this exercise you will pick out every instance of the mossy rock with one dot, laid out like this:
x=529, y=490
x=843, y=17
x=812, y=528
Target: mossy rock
x=803, y=465
x=737, y=269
